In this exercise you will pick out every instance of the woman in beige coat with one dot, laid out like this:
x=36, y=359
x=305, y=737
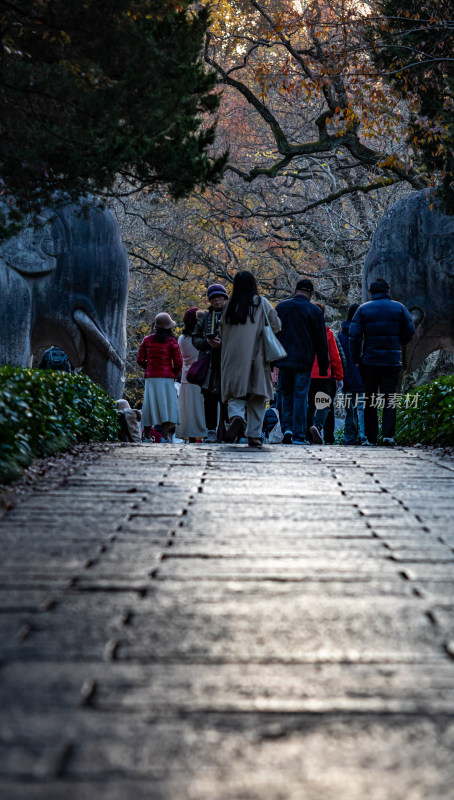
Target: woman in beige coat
x=245, y=375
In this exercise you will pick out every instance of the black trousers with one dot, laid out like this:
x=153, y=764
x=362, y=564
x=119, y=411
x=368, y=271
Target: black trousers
x=383, y=380
x=211, y=402
x=327, y=385
x=330, y=423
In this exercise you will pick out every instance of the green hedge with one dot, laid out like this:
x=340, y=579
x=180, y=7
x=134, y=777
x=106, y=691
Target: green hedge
x=431, y=421
x=42, y=412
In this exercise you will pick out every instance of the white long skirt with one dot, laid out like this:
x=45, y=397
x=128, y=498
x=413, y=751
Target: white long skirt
x=160, y=402
x=192, y=412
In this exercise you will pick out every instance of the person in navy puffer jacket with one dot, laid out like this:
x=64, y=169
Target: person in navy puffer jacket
x=377, y=333
x=353, y=384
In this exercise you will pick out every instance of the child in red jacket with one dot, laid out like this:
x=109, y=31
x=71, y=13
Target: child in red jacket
x=160, y=356
x=323, y=389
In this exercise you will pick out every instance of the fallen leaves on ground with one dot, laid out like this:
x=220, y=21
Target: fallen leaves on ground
x=50, y=472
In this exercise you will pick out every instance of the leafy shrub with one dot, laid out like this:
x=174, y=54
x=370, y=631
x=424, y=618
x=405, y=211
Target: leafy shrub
x=42, y=412
x=339, y=435
x=431, y=421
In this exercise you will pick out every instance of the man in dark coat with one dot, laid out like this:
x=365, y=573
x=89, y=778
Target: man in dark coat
x=303, y=336
x=377, y=333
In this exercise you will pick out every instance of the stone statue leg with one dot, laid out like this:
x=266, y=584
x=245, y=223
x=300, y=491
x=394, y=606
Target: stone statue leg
x=15, y=319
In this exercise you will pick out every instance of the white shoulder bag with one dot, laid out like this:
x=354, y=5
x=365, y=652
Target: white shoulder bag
x=272, y=346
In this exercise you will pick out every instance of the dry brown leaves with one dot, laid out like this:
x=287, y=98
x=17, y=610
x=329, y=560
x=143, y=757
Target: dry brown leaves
x=49, y=473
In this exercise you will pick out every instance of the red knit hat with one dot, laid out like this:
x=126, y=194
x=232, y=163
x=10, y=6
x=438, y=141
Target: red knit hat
x=190, y=317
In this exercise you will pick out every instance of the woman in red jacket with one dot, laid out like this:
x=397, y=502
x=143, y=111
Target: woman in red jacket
x=160, y=356
x=321, y=386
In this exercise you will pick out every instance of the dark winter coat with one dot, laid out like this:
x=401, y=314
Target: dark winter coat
x=341, y=353
x=378, y=330
x=303, y=335
x=205, y=325
x=352, y=376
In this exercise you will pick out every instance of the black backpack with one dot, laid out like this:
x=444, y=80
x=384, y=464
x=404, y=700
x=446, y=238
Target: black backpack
x=55, y=358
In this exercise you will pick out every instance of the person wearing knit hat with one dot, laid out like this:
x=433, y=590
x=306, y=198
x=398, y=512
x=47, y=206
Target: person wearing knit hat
x=192, y=413
x=190, y=320
x=161, y=359
x=207, y=341
x=216, y=289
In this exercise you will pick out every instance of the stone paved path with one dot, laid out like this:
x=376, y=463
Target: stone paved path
x=216, y=623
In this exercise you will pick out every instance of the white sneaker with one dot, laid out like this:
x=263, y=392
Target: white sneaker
x=388, y=442
x=211, y=437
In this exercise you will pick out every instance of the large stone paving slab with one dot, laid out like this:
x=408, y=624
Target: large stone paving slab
x=218, y=623
x=289, y=630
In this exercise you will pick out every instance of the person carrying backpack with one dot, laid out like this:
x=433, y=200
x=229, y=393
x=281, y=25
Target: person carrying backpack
x=56, y=359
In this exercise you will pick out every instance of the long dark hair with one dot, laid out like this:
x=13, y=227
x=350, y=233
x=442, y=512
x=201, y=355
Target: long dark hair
x=243, y=302
x=162, y=334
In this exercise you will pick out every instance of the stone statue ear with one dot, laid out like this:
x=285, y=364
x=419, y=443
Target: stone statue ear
x=34, y=250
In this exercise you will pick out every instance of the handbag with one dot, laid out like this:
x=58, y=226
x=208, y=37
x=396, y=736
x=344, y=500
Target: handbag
x=271, y=344
x=275, y=435
x=198, y=371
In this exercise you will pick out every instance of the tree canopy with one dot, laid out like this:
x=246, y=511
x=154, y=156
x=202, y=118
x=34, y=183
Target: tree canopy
x=317, y=154
x=303, y=71
x=413, y=46
x=90, y=91
x=321, y=145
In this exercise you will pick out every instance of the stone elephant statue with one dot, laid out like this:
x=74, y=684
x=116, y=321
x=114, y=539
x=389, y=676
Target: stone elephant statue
x=413, y=249
x=65, y=283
